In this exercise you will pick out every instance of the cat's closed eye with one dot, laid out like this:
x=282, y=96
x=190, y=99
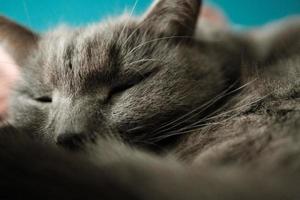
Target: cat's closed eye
x=126, y=85
x=44, y=99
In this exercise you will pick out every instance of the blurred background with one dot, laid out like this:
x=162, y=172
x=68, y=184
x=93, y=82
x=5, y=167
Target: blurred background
x=41, y=15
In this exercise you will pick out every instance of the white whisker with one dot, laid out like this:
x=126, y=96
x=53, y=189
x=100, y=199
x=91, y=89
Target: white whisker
x=26, y=12
x=191, y=128
x=155, y=40
x=203, y=107
x=130, y=15
x=145, y=60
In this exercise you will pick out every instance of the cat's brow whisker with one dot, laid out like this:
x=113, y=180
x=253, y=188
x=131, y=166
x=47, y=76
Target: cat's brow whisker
x=126, y=24
x=145, y=60
x=155, y=40
x=138, y=72
x=133, y=32
x=27, y=12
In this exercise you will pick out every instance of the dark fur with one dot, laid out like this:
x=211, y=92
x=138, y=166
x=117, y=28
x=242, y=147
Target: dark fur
x=223, y=115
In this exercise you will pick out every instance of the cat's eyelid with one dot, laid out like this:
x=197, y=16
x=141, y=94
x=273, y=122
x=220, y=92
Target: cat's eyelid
x=44, y=99
x=131, y=82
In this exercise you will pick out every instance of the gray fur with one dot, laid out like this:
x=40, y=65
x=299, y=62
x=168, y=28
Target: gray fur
x=223, y=115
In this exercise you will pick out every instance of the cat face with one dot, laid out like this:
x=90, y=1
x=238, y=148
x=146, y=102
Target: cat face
x=129, y=78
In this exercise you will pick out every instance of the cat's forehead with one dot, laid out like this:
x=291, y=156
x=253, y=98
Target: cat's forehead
x=81, y=53
x=75, y=57
x=101, y=36
x=80, y=44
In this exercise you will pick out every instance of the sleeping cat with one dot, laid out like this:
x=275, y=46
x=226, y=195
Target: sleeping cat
x=150, y=108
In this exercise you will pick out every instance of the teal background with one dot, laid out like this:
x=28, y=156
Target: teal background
x=43, y=14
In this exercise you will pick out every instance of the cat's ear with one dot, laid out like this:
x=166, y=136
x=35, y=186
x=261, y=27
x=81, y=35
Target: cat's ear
x=17, y=40
x=173, y=17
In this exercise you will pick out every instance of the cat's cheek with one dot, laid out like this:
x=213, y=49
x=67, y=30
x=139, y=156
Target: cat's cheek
x=24, y=113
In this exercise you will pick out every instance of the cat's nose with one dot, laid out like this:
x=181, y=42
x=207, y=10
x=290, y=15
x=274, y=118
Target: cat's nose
x=72, y=141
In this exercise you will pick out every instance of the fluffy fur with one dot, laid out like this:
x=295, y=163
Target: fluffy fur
x=149, y=108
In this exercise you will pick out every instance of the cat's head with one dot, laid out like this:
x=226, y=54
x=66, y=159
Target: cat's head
x=137, y=79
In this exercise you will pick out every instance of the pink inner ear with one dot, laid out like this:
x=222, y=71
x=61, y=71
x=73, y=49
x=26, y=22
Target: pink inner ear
x=8, y=75
x=214, y=16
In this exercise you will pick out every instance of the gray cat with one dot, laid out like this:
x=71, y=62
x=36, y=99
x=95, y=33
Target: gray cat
x=149, y=108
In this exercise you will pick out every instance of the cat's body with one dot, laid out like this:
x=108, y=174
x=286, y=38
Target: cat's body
x=223, y=114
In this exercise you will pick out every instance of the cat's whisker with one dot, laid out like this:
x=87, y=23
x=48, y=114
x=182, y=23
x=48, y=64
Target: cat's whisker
x=189, y=130
x=155, y=40
x=222, y=115
x=208, y=117
x=233, y=91
x=27, y=12
x=202, y=134
x=137, y=128
x=126, y=24
x=138, y=71
x=234, y=111
x=145, y=60
x=43, y=130
x=208, y=103
x=213, y=116
x=194, y=128
x=222, y=95
x=133, y=32
x=198, y=111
